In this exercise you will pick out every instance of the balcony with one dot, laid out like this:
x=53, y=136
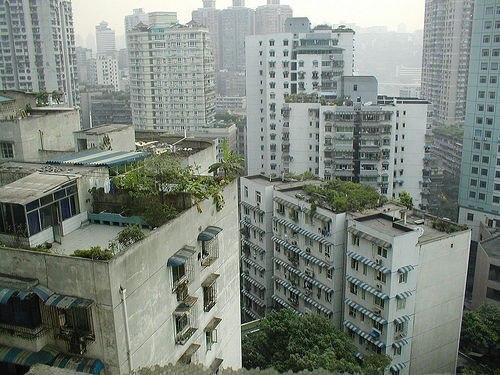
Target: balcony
x=183, y=337
x=23, y=332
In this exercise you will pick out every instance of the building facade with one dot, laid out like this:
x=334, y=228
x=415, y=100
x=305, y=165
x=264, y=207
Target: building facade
x=479, y=193
x=105, y=39
x=270, y=18
x=208, y=16
x=107, y=71
x=175, y=89
x=486, y=288
x=279, y=65
x=110, y=108
x=38, y=51
x=138, y=16
x=445, y=59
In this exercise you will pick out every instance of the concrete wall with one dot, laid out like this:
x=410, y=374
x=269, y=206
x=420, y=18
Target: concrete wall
x=481, y=278
x=150, y=302
x=439, y=304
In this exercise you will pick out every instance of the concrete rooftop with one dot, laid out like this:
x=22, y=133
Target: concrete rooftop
x=86, y=237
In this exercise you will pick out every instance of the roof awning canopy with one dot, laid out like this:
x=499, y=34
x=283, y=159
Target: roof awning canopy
x=34, y=186
x=181, y=256
x=209, y=233
x=213, y=324
x=101, y=158
x=27, y=358
x=186, y=357
x=22, y=288
x=210, y=280
x=79, y=364
x=215, y=364
x=66, y=302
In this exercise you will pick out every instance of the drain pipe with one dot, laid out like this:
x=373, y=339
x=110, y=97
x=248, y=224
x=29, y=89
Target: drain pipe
x=123, y=297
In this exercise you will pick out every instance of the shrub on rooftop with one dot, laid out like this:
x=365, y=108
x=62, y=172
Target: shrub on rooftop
x=95, y=252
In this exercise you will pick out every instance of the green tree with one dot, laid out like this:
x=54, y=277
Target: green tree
x=290, y=342
x=481, y=331
x=231, y=163
x=406, y=200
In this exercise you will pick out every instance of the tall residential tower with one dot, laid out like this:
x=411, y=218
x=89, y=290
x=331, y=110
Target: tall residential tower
x=270, y=18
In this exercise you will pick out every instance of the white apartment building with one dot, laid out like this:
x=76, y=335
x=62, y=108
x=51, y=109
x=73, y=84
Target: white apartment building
x=38, y=48
x=172, y=84
x=105, y=39
x=107, y=71
x=172, y=297
x=138, y=16
x=282, y=64
x=270, y=18
x=208, y=16
x=399, y=300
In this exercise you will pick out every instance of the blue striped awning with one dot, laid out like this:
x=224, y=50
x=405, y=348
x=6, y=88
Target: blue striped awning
x=41, y=291
x=251, y=263
x=79, y=364
x=406, y=269
x=255, y=299
x=366, y=312
x=181, y=256
x=66, y=302
x=397, y=367
x=400, y=343
x=401, y=319
x=403, y=295
x=256, y=247
x=367, y=287
x=5, y=294
x=291, y=288
x=251, y=313
x=27, y=358
x=368, y=262
x=282, y=302
x=286, y=203
x=358, y=355
x=368, y=237
x=251, y=207
x=302, y=275
x=302, y=253
x=300, y=230
x=363, y=334
x=252, y=226
x=209, y=233
x=252, y=281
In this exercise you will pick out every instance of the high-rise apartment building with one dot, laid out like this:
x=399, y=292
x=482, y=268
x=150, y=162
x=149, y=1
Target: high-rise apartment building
x=445, y=59
x=280, y=65
x=107, y=71
x=172, y=84
x=479, y=195
x=105, y=39
x=270, y=18
x=208, y=16
x=38, y=48
x=162, y=19
x=138, y=16
x=235, y=24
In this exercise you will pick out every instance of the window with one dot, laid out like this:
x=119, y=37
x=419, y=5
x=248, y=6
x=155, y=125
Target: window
x=399, y=327
x=258, y=197
x=380, y=276
x=210, y=338
x=246, y=191
x=329, y=273
x=397, y=351
x=355, y=240
x=7, y=150
x=378, y=301
x=209, y=245
x=403, y=278
x=209, y=291
x=401, y=303
x=354, y=264
x=179, y=275
x=381, y=251
x=353, y=288
x=352, y=311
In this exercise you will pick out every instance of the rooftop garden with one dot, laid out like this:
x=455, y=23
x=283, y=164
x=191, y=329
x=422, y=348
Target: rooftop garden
x=344, y=196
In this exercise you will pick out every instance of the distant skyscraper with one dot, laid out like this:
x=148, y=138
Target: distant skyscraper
x=236, y=23
x=208, y=16
x=162, y=19
x=175, y=88
x=270, y=18
x=445, y=60
x=38, y=47
x=135, y=18
x=479, y=196
x=105, y=39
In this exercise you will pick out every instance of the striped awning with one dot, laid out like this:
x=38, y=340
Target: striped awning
x=210, y=280
x=363, y=334
x=404, y=295
x=27, y=358
x=181, y=256
x=302, y=275
x=291, y=288
x=255, y=299
x=302, y=253
x=402, y=319
x=397, y=367
x=253, y=314
x=400, y=343
x=252, y=226
x=252, y=281
x=365, y=312
x=209, y=233
x=367, y=287
x=368, y=262
x=41, y=291
x=368, y=237
x=79, y=364
x=185, y=306
x=318, y=306
x=5, y=294
x=286, y=203
x=251, y=263
x=358, y=355
x=251, y=207
x=406, y=269
x=282, y=302
x=300, y=230
x=67, y=302
x=256, y=247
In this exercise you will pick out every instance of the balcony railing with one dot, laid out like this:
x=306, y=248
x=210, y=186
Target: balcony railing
x=182, y=337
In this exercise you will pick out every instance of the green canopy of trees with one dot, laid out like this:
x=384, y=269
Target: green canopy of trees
x=286, y=341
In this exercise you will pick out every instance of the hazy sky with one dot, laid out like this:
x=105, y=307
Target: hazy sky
x=390, y=13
